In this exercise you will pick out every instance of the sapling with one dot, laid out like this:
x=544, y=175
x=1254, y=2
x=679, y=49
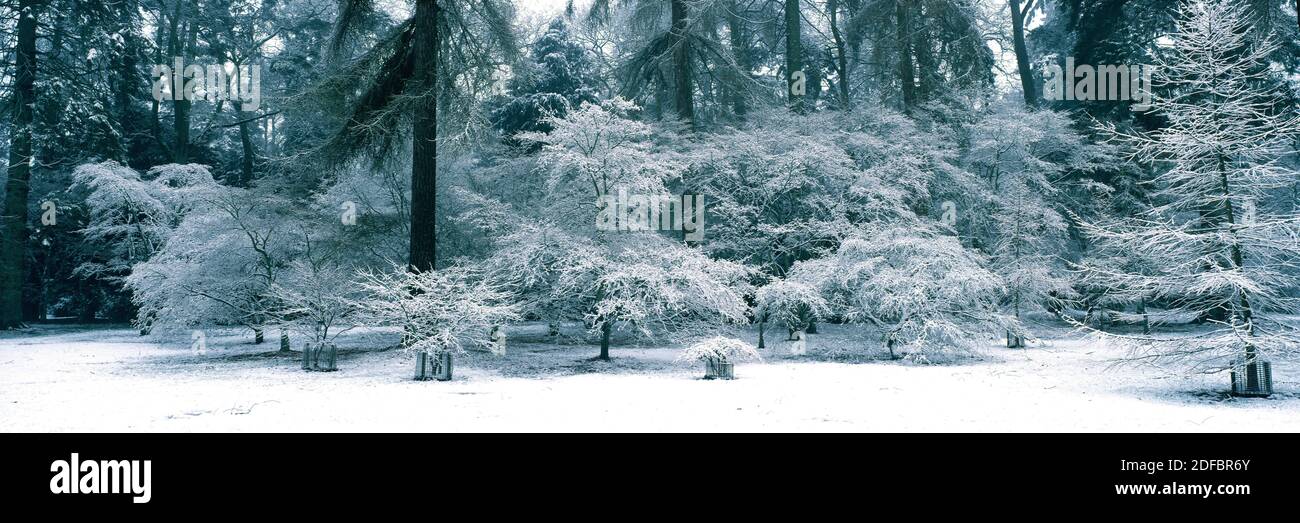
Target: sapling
x=440, y=311
x=719, y=353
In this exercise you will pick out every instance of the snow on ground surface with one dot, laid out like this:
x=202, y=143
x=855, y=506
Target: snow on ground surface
x=76, y=378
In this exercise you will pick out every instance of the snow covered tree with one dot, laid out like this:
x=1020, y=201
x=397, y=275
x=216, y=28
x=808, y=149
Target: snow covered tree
x=528, y=259
x=651, y=284
x=557, y=77
x=1022, y=154
x=782, y=189
x=719, y=348
x=1221, y=152
x=316, y=294
x=219, y=266
x=928, y=295
x=566, y=265
x=439, y=311
x=129, y=217
x=791, y=304
x=596, y=150
x=408, y=79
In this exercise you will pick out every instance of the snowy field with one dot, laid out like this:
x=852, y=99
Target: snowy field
x=69, y=378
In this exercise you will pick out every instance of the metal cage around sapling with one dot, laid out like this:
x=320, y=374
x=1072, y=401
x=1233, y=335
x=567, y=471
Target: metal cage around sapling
x=1252, y=380
x=719, y=369
x=322, y=357
x=433, y=367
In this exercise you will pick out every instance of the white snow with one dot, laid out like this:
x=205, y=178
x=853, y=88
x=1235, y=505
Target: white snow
x=65, y=378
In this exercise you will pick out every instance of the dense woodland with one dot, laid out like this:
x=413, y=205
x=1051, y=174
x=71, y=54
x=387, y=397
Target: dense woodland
x=439, y=166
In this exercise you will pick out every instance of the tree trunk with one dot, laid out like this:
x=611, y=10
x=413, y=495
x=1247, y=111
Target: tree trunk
x=906, y=72
x=155, y=126
x=258, y=337
x=1022, y=51
x=794, y=55
x=14, y=252
x=1146, y=318
x=126, y=75
x=926, y=67
x=181, y=107
x=685, y=94
x=740, y=50
x=605, y=330
x=245, y=119
x=762, y=326
x=284, y=341
x=424, y=175
x=843, y=65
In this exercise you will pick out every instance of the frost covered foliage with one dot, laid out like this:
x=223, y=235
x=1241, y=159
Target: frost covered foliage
x=598, y=150
x=1022, y=157
x=1218, y=256
x=651, y=284
x=130, y=217
x=564, y=267
x=379, y=203
x=719, y=348
x=895, y=152
x=781, y=189
x=644, y=282
x=219, y=264
x=530, y=259
x=439, y=311
x=316, y=294
x=790, y=304
x=928, y=296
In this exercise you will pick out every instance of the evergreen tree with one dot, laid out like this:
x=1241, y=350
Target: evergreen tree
x=558, y=77
x=1220, y=155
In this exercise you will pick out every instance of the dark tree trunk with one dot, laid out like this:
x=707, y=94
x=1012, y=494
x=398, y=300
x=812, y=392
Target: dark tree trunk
x=246, y=141
x=1146, y=318
x=90, y=308
x=740, y=50
x=906, y=72
x=605, y=330
x=155, y=126
x=926, y=67
x=762, y=326
x=685, y=94
x=424, y=175
x=126, y=76
x=1018, y=15
x=840, y=51
x=794, y=54
x=258, y=336
x=181, y=106
x=284, y=341
x=14, y=252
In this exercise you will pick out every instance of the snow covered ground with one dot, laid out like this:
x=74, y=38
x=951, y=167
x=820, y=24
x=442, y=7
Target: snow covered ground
x=70, y=378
